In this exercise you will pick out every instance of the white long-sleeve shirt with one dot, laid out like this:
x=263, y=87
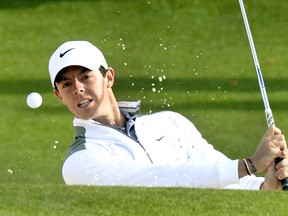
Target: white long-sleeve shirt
x=170, y=152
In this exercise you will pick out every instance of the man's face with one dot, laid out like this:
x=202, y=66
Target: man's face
x=86, y=93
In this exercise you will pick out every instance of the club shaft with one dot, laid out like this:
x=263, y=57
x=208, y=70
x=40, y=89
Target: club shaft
x=268, y=112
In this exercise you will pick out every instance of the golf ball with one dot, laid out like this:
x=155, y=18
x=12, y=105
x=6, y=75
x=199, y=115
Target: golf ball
x=34, y=100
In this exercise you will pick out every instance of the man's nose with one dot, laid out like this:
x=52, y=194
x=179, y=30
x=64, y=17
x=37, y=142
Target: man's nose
x=78, y=87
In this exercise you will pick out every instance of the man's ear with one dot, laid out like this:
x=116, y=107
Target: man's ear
x=57, y=94
x=110, y=74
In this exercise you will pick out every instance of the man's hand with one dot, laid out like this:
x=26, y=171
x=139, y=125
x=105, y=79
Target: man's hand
x=274, y=174
x=271, y=146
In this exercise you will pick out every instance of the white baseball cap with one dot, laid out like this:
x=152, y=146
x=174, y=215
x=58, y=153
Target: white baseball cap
x=75, y=53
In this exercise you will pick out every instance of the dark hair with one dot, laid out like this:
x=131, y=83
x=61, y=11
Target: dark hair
x=103, y=70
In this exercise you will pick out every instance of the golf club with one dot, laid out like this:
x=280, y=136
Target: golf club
x=268, y=111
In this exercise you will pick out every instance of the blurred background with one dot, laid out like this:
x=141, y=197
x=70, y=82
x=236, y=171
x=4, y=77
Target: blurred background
x=191, y=57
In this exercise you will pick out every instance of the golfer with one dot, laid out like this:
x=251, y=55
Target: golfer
x=115, y=146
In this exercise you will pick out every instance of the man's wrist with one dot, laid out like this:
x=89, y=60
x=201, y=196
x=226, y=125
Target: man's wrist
x=250, y=166
x=262, y=186
x=242, y=170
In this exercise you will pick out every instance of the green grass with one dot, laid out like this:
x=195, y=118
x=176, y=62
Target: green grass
x=136, y=201
x=199, y=47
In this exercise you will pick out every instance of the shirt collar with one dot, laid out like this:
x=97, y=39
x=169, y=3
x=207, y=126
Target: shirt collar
x=130, y=109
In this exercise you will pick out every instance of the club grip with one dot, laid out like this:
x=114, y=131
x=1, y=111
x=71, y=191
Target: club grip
x=284, y=182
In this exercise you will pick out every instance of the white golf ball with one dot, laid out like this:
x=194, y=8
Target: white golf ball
x=34, y=100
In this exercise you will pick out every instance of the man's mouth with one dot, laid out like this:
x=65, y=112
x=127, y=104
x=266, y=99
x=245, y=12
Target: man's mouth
x=84, y=103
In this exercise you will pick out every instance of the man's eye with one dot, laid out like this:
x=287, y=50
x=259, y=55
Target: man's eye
x=86, y=77
x=65, y=85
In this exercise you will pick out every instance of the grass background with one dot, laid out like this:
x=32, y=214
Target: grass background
x=192, y=57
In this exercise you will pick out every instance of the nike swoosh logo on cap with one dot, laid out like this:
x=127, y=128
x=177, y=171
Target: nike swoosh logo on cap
x=62, y=54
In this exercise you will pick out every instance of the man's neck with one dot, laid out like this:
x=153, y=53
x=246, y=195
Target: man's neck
x=115, y=118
